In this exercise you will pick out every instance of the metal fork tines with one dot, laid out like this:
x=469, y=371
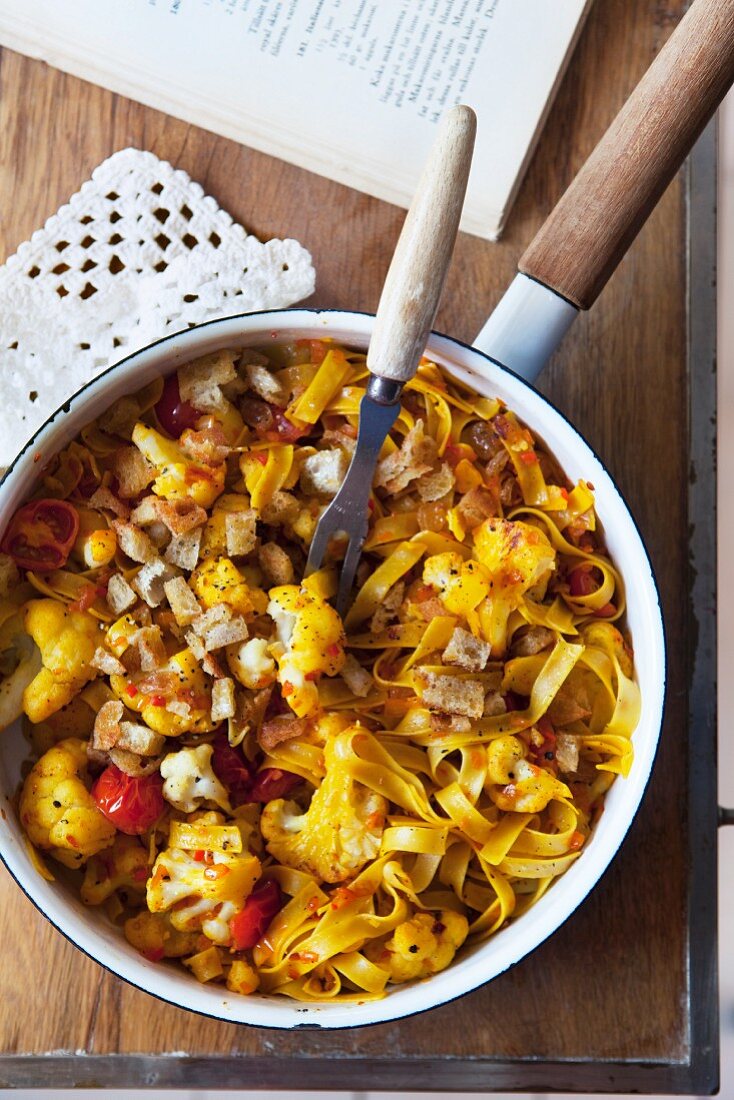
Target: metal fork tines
x=348, y=512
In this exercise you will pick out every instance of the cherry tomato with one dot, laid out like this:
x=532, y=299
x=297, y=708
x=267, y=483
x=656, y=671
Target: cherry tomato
x=41, y=534
x=231, y=769
x=174, y=415
x=132, y=803
x=582, y=581
x=273, y=783
x=251, y=923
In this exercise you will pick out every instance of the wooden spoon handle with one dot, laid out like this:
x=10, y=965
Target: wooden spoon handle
x=596, y=220
x=412, y=289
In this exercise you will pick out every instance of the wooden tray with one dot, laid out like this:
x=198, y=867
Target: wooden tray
x=624, y=996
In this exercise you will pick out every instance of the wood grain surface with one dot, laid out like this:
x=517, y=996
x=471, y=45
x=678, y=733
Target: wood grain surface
x=591, y=228
x=612, y=984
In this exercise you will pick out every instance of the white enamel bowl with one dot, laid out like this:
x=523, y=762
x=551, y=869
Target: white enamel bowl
x=88, y=929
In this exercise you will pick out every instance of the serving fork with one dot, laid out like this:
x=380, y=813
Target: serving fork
x=405, y=315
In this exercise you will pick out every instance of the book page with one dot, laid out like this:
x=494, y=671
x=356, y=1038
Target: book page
x=352, y=89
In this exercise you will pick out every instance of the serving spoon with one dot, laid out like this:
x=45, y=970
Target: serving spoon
x=405, y=315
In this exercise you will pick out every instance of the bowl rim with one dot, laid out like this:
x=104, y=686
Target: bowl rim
x=359, y=1013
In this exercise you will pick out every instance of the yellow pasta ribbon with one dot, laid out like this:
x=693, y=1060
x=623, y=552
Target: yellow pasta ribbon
x=329, y=378
x=263, y=481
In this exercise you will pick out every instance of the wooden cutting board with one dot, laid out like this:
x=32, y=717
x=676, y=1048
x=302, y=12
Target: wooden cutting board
x=624, y=995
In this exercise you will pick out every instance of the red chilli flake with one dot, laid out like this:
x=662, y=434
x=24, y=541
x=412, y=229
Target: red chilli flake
x=261, y=457
x=528, y=457
x=131, y=691
x=158, y=701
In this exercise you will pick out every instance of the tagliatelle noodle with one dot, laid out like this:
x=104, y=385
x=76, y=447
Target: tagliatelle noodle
x=70, y=587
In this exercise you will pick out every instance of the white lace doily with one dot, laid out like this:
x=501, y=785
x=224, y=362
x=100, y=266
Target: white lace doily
x=138, y=252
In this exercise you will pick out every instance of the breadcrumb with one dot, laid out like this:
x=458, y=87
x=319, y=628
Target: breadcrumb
x=275, y=564
x=240, y=532
x=134, y=542
x=450, y=693
x=120, y=596
x=183, y=550
x=222, y=699
x=467, y=651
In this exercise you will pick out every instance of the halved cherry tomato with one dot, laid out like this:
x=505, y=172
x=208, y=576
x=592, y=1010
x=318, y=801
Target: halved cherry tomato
x=41, y=534
x=231, y=769
x=273, y=783
x=251, y=923
x=174, y=415
x=132, y=803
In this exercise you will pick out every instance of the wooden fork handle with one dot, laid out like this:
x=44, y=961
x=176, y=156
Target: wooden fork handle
x=596, y=220
x=414, y=282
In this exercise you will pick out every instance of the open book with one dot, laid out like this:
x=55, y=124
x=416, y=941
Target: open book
x=350, y=89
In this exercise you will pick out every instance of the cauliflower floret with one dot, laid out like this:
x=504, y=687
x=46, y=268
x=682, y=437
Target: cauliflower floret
x=20, y=661
x=462, y=585
x=311, y=642
x=76, y=719
x=202, y=894
x=503, y=754
x=95, y=543
x=425, y=944
x=182, y=681
x=124, y=866
x=153, y=935
x=520, y=785
x=58, y=812
x=517, y=555
x=190, y=780
x=340, y=831
x=218, y=580
x=251, y=663
x=178, y=476
x=67, y=641
x=515, y=558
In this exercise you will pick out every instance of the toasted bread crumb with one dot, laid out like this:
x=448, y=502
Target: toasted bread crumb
x=222, y=699
x=450, y=694
x=275, y=564
x=467, y=651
